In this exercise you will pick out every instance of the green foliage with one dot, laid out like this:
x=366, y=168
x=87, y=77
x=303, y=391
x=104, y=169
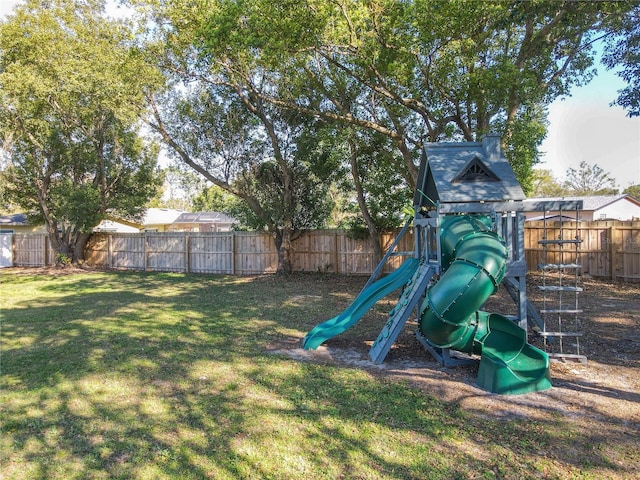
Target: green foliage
x=309, y=208
x=356, y=228
x=213, y=199
x=73, y=87
x=523, y=138
x=387, y=193
x=622, y=52
x=408, y=71
x=544, y=184
x=62, y=259
x=633, y=190
x=589, y=180
x=181, y=186
x=266, y=156
x=456, y=69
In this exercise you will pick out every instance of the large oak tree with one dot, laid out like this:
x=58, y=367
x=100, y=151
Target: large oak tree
x=419, y=70
x=72, y=86
x=410, y=71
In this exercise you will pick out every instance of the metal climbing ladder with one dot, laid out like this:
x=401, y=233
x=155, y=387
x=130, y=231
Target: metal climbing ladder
x=561, y=325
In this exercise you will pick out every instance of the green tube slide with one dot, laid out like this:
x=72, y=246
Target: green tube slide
x=362, y=303
x=474, y=261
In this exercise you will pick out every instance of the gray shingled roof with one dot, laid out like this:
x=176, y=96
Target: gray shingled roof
x=450, y=173
x=15, y=219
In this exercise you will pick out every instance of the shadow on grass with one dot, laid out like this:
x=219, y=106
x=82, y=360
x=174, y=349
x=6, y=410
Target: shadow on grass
x=164, y=376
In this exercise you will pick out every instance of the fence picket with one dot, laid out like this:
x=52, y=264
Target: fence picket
x=609, y=250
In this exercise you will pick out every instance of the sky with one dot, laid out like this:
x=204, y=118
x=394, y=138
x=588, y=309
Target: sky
x=582, y=127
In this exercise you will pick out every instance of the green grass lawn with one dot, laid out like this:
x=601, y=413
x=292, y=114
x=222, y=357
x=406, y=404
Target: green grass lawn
x=150, y=376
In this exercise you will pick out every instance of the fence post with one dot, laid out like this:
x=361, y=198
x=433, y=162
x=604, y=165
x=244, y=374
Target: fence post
x=187, y=247
x=45, y=257
x=336, y=254
x=109, y=264
x=233, y=253
x=612, y=254
x=146, y=251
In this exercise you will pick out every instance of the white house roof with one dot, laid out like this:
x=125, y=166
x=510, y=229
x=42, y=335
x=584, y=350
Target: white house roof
x=205, y=217
x=161, y=216
x=594, y=202
x=115, y=226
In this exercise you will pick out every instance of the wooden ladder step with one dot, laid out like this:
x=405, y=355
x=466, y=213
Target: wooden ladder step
x=559, y=242
x=559, y=288
x=551, y=266
x=560, y=310
x=561, y=334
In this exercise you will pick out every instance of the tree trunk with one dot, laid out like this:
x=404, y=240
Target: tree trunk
x=283, y=246
x=58, y=245
x=362, y=203
x=68, y=246
x=79, y=246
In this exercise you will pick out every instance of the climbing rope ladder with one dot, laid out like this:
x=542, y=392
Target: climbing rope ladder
x=561, y=289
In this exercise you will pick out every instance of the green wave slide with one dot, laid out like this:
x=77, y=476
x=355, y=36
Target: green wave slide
x=362, y=303
x=474, y=260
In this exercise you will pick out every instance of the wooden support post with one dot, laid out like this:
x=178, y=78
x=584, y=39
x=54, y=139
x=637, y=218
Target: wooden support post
x=146, y=251
x=187, y=248
x=233, y=253
x=612, y=251
x=109, y=264
x=46, y=250
x=336, y=254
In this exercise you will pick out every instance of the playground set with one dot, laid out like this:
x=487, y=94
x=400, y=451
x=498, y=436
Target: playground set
x=468, y=228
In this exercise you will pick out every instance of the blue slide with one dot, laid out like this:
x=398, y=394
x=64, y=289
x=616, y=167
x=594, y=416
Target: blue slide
x=363, y=302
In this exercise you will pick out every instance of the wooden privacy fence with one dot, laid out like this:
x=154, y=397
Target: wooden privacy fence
x=609, y=249
x=32, y=250
x=234, y=253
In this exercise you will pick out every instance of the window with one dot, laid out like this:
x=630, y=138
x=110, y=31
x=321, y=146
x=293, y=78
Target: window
x=475, y=171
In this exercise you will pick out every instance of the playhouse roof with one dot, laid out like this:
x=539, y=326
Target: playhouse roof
x=466, y=172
